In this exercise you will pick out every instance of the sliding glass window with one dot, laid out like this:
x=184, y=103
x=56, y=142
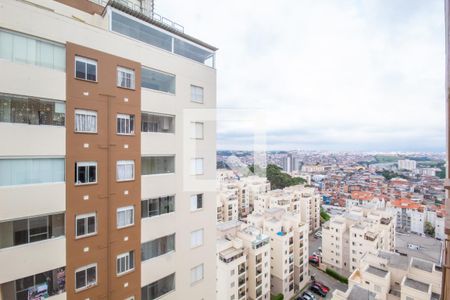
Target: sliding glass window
x=157, y=206
x=151, y=122
x=152, y=165
x=27, y=49
x=33, y=111
x=157, y=80
x=158, y=247
x=31, y=171
x=31, y=230
x=158, y=288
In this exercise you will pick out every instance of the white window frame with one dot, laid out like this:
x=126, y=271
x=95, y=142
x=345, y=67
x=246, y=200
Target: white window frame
x=194, y=95
x=86, y=113
x=86, y=217
x=195, y=278
x=86, y=61
x=123, y=209
x=125, y=162
x=132, y=77
x=85, y=268
x=195, y=243
x=194, y=202
x=128, y=118
x=125, y=255
x=196, y=167
x=86, y=164
x=194, y=130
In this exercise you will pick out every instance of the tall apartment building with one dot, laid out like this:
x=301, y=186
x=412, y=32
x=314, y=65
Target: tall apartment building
x=388, y=275
x=297, y=199
x=348, y=237
x=227, y=204
x=407, y=164
x=238, y=188
x=107, y=153
x=255, y=185
x=243, y=262
x=288, y=249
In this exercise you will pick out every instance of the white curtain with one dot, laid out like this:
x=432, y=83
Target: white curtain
x=85, y=121
x=125, y=216
x=125, y=170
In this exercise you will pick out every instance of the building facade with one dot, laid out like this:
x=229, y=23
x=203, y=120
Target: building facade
x=107, y=180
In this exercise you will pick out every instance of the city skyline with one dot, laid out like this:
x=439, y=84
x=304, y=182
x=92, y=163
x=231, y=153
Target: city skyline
x=261, y=66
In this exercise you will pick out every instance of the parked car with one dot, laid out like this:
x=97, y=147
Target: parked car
x=322, y=286
x=318, y=234
x=317, y=290
x=309, y=295
x=314, y=259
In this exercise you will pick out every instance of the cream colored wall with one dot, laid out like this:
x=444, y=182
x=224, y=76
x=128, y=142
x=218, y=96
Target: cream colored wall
x=30, y=80
x=32, y=140
x=29, y=259
x=31, y=200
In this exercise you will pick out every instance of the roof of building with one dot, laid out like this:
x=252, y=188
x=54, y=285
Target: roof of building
x=428, y=248
x=422, y=264
x=223, y=226
x=418, y=285
x=358, y=293
x=376, y=271
x=362, y=195
x=395, y=260
x=406, y=203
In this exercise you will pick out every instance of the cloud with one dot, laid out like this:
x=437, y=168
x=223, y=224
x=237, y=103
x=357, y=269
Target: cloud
x=327, y=74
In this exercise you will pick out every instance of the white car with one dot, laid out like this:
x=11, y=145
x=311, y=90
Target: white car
x=318, y=234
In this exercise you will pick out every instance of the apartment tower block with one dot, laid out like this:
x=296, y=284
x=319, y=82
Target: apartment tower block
x=107, y=164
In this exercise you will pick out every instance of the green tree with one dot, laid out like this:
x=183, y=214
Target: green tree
x=429, y=229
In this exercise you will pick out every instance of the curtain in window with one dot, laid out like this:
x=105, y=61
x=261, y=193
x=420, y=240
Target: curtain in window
x=125, y=170
x=125, y=217
x=29, y=171
x=85, y=121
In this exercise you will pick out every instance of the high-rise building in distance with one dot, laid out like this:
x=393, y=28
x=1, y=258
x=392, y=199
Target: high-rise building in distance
x=107, y=153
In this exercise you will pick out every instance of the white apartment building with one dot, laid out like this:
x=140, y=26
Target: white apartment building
x=411, y=216
x=313, y=168
x=406, y=164
x=362, y=198
x=348, y=237
x=289, y=249
x=241, y=245
x=228, y=204
x=296, y=199
x=108, y=153
x=255, y=185
x=383, y=275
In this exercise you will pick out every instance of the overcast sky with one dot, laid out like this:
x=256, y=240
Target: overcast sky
x=324, y=74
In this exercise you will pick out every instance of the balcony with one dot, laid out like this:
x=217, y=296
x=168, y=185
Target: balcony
x=258, y=270
x=258, y=281
x=28, y=259
x=241, y=269
x=241, y=280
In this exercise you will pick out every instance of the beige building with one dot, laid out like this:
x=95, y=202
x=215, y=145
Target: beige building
x=348, y=237
x=107, y=176
x=297, y=199
x=388, y=275
x=289, y=249
x=243, y=262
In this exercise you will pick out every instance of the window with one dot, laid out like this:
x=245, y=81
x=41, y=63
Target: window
x=158, y=247
x=197, y=166
x=125, y=216
x=32, y=111
x=158, y=288
x=85, y=121
x=31, y=171
x=158, y=81
x=125, y=262
x=196, y=238
x=86, y=225
x=29, y=230
x=157, y=206
x=85, y=68
x=125, y=78
x=196, y=94
x=127, y=25
x=196, y=274
x=151, y=122
x=20, y=289
x=125, y=170
x=158, y=165
x=86, y=277
x=125, y=124
x=196, y=202
x=26, y=49
x=85, y=172
x=197, y=130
